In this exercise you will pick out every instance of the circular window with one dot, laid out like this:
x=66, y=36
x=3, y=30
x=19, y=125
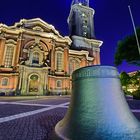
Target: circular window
x=34, y=77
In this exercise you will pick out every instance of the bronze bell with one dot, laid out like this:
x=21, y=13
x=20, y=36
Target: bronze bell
x=98, y=109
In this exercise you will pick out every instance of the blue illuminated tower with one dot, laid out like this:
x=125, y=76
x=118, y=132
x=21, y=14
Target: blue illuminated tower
x=81, y=19
x=81, y=28
x=83, y=2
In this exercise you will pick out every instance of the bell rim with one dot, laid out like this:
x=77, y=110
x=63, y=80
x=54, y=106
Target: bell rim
x=95, y=71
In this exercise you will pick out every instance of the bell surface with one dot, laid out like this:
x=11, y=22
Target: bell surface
x=98, y=109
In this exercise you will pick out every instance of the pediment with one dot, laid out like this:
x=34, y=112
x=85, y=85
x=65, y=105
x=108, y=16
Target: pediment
x=36, y=24
x=39, y=27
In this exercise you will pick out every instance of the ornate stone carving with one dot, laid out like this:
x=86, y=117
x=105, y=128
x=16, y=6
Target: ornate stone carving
x=38, y=28
x=11, y=41
x=96, y=71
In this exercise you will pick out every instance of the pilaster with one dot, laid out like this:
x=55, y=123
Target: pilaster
x=20, y=77
x=84, y=62
x=66, y=62
x=18, y=46
x=53, y=58
x=2, y=48
x=98, y=58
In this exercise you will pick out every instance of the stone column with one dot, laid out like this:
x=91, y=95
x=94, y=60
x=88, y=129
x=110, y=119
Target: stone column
x=45, y=79
x=20, y=77
x=95, y=58
x=84, y=62
x=53, y=58
x=96, y=54
x=66, y=59
x=25, y=82
x=2, y=49
x=18, y=46
x=98, y=58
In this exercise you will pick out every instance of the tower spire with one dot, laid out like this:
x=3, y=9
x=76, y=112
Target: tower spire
x=83, y=2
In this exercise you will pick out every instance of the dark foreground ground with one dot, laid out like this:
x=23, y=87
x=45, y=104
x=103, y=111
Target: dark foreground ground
x=34, y=118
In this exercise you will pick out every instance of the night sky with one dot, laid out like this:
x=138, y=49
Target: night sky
x=112, y=20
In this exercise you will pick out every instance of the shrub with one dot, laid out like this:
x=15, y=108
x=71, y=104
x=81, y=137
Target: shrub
x=136, y=95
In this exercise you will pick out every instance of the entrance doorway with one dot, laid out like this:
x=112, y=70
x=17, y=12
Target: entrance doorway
x=34, y=83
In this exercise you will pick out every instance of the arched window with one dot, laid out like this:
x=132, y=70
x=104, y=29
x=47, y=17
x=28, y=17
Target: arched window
x=9, y=56
x=73, y=65
x=59, y=61
x=35, y=59
x=4, y=81
x=34, y=77
x=58, y=83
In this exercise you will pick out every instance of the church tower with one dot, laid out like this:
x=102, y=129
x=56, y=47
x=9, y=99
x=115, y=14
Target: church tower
x=81, y=27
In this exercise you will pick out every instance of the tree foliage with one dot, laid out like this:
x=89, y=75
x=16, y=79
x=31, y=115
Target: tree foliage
x=128, y=50
x=125, y=80
x=135, y=82
x=131, y=81
x=135, y=79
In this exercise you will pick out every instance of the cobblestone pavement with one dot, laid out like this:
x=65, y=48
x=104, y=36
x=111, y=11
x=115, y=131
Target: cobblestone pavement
x=8, y=109
x=36, y=127
x=30, y=119
x=53, y=101
x=35, y=119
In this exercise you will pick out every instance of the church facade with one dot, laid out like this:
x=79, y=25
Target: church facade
x=36, y=60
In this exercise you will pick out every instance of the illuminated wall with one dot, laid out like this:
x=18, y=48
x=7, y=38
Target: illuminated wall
x=36, y=60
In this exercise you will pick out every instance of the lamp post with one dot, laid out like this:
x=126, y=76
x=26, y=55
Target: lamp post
x=134, y=28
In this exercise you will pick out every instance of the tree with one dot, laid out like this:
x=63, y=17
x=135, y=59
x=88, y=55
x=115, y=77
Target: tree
x=125, y=80
x=131, y=83
x=135, y=80
x=128, y=50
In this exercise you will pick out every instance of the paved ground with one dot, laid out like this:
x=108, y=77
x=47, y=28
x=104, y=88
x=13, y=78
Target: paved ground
x=34, y=118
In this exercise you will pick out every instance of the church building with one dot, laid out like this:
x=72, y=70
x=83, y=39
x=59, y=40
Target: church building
x=36, y=60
